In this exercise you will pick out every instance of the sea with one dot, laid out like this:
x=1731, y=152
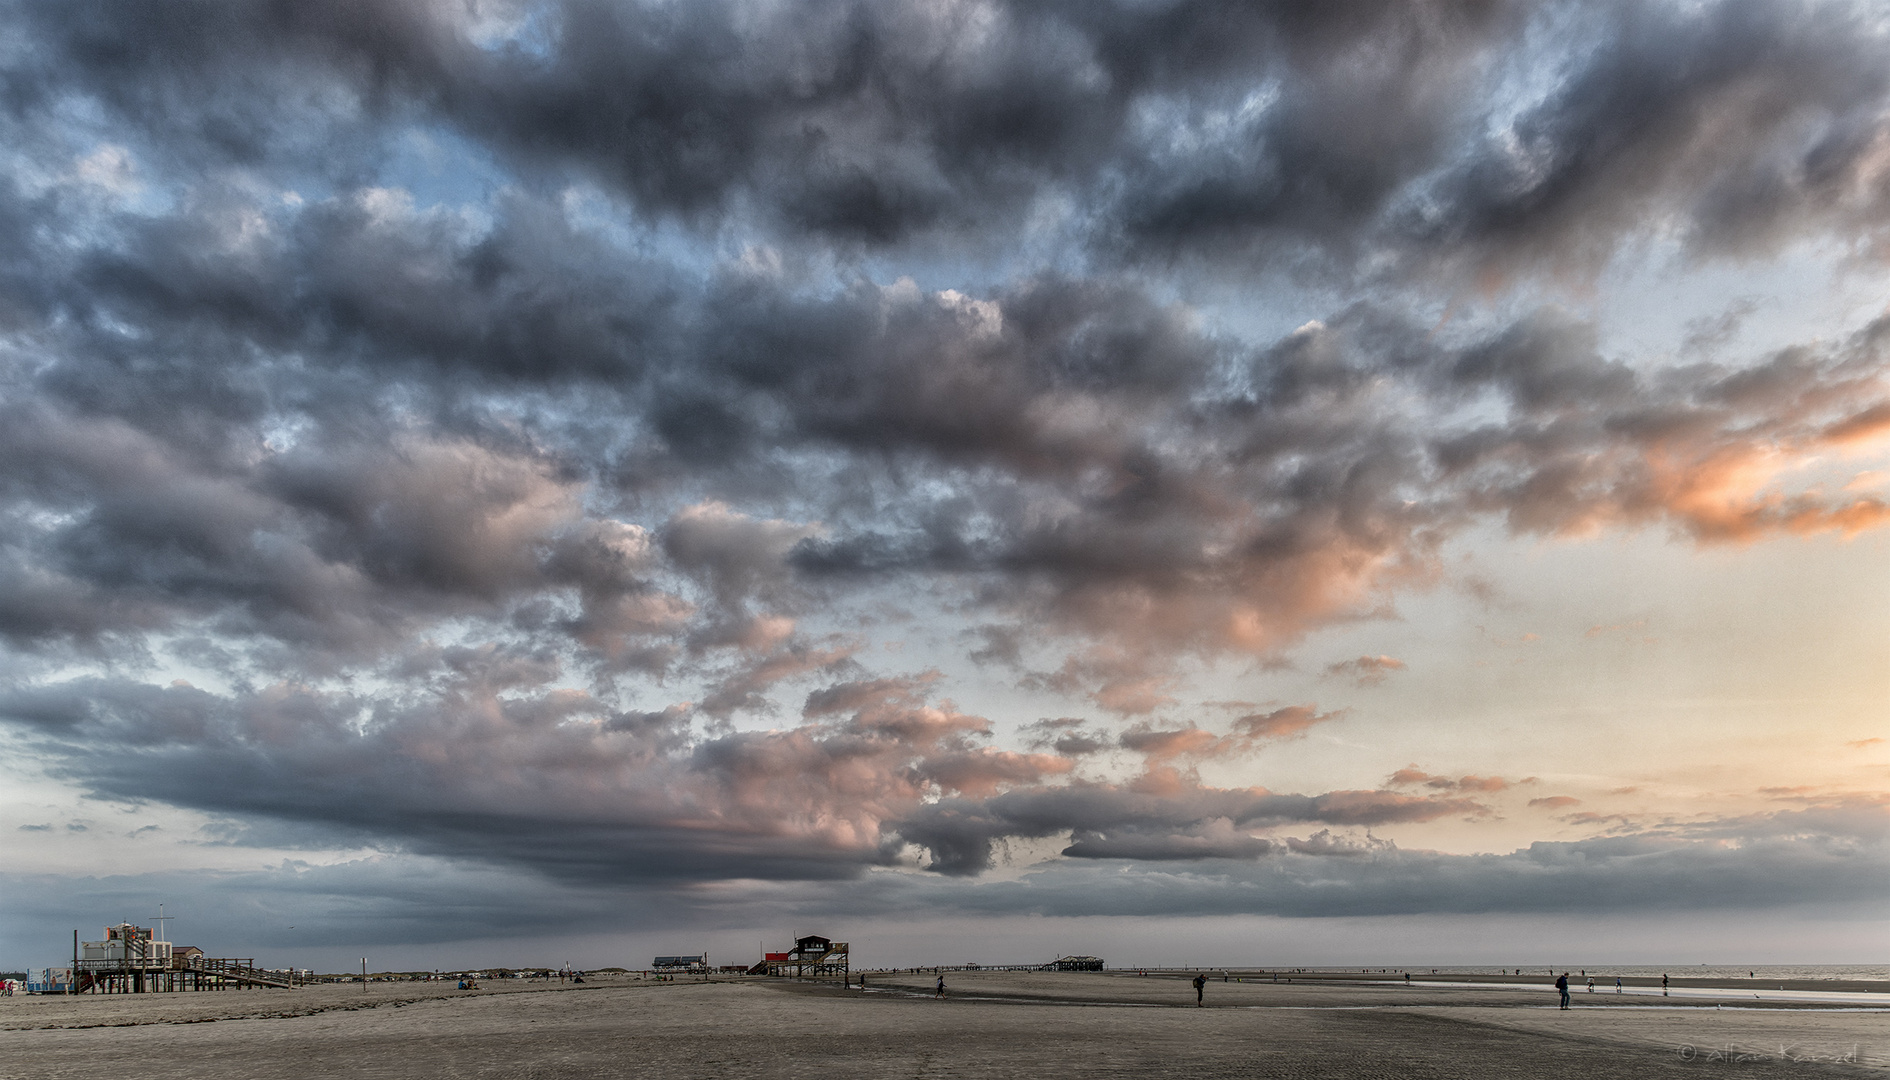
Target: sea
x=1832, y=972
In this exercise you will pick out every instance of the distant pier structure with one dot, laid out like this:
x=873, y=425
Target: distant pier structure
x=1077, y=963
x=811, y=956
x=131, y=960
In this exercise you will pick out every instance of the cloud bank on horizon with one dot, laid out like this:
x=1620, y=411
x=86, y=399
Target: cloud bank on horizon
x=526, y=435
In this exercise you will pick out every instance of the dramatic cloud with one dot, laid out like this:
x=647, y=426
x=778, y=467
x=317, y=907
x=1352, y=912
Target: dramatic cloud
x=1774, y=862
x=493, y=761
x=529, y=433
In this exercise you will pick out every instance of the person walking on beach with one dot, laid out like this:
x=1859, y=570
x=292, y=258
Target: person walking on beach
x=1561, y=987
x=1663, y=984
x=1591, y=984
x=1200, y=985
x=1617, y=984
x=941, y=987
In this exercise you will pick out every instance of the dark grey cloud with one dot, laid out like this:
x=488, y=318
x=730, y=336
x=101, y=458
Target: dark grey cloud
x=1838, y=862
x=1736, y=126
x=1228, y=523
x=1154, y=821
x=1487, y=136
x=857, y=123
x=1067, y=736
x=506, y=403
x=492, y=761
x=279, y=913
x=1831, y=858
x=1083, y=397
x=482, y=756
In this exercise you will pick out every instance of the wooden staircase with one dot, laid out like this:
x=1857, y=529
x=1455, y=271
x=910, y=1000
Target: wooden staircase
x=241, y=971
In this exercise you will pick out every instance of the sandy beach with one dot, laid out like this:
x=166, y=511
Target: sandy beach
x=990, y=1024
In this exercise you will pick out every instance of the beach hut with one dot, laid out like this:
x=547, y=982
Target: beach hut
x=812, y=955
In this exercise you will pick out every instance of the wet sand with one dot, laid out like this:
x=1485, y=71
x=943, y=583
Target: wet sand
x=990, y=1025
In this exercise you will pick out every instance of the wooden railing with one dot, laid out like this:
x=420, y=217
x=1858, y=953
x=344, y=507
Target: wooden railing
x=241, y=970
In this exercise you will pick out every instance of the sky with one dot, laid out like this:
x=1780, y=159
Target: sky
x=1182, y=481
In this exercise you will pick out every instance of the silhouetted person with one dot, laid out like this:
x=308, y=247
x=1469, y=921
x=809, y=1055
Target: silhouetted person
x=941, y=987
x=1561, y=987
x=1617, y=984
x=1663, y=984
x=1200, y=985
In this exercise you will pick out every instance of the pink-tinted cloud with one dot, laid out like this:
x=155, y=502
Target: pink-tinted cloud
x=745, y=683
x=1412, y=776
x=982, y=772
x=1162, y=746
x=1281, y=723
x=1366, y=670
x=870, y=693
x=1131, y=681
